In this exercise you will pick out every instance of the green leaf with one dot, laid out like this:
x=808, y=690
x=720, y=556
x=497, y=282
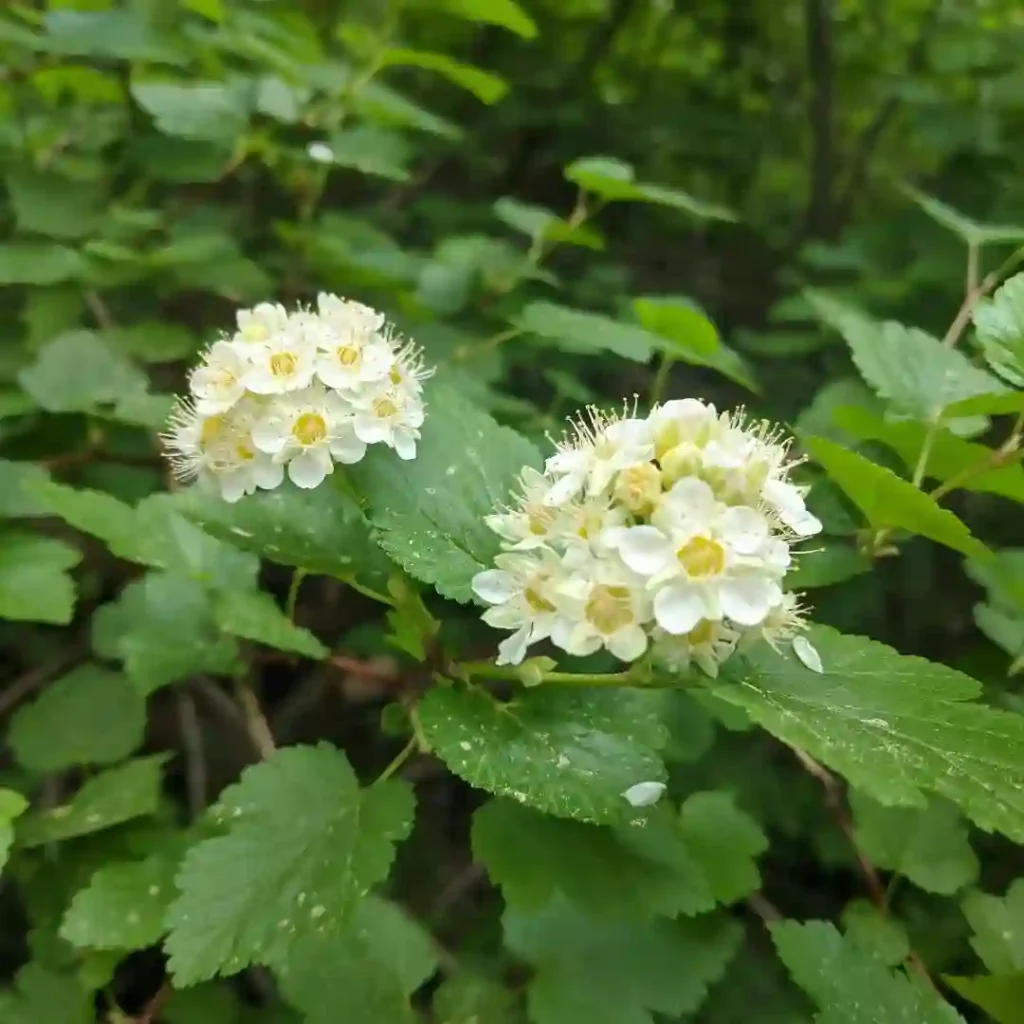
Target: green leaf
x=927, y=845
x=482, y=84
x=896, y=726
x=117, y=795
x=880, y=934
x=1000, y=996
x=34, y=584
x=12, y=805
x=679, y=862
x=41, y=994
x=918, y=375
x=688, y=335
x=470, y=999
x=303, y=843
x=49, y=203
x=582, y=333
x=998, y=926
x=321, y=531
x=614, y=180
x=16, y=481
x=107, y=35
x=948, y=455
x=1002, y=403
x=566, y=752
x=123, y=906
x=77, y=371
x=208, y=111
x=39, y=263
x=971, y=231
x=89, y=716
x=999, y=324
x=363, y=975
x=504, y=13
x=163, y=628
x=590, y=971
x=372, y=150
x=254, y=615
x=830, y=563
x=428, y=514
x=851, y=986
x=540, y=224
x=888, y=501
x=385, y=105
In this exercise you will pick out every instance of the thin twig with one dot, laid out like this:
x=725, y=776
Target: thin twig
x=31, y=680
x=154, y=1006
x=764, y=908
x=293, y=592
x=836, y=802
x=99, y=310
x=366, y=669
x=256, y=723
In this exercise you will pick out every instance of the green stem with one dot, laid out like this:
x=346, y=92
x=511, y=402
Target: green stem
x=399, y=760
x=485, y=670
x=293, y=592
x=661, y=378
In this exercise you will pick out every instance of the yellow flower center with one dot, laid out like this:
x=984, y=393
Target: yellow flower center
x=703, y=633
x=638, y=487
x=309, y=428
x=282, y=364
x=539, y=520
x=608, y=608
x=701, y=557
x=384, y=408
x=348, y=355
x=245, y=452
x=537, y=601
x=396, y=374
x=212, y=430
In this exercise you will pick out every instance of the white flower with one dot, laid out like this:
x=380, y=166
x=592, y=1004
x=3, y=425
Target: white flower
x=600, y=447
x=309, y=430
x=347, y=316
x=609, y=609
x=683, y=421
x=588, y=529
x=532, y=522
x=220, y=449
x=284, y=362
x=704, y=560
x=707, y=645
x=389, y=415
x=320, y=153
x=217, y=383
x=788, y=504
x=523, y=590
x=346, y=361
x=261, y=323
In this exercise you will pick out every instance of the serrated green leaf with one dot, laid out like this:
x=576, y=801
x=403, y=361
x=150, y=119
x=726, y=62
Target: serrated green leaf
x=428, y=514
x=614, y=180
x=321, y=531
x=16, y=481
x=918, y=375
x=1000, y=996
x=1000, y=404
x=565, y=752
x=163, y=628
x=971, y=231
x=828, y=564
x=540, y=224
x=89, y=716
x=117, y=795
x=106, y=34
x=123, y=906
x=889, y=502
x=999, y=329
x=78, y=371
x=881, y=935
x=41, y=994
x=590, y=971
x=896, y=726
x=927, y=845
x=255, y=615
x=998, y=926
x=482, y=84
x=34, y=584
x=684, y=861
x=579, y=332
x=205, y=111
x=949, y=456
x=470, y=999
x=39, y=263
x=49, y=203
x=372, y=150
x=302, y=846
x=504, y=13
x=849, y=985
x=363, y=975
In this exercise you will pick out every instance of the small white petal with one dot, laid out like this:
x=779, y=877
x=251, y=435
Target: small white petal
x=644, y=794
x=807, y=653
x=405, y=445
x=512, y=650
x=645, y=549
x=679, y=608
x=320, y=153
x=744, y=529
x=495, y=586
x=308, y=469
x=629, y=643
x=748, y=599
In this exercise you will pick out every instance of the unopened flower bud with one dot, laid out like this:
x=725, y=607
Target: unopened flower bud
x=638, y=487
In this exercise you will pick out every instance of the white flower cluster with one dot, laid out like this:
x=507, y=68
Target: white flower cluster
x=297, y=391
x=671, y=532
